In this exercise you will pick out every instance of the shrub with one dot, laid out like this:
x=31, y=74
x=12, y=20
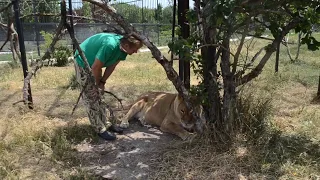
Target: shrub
x=62, y=54
x=253, y=114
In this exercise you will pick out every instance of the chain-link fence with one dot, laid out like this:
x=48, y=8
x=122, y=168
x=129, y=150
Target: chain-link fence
x=41, y=17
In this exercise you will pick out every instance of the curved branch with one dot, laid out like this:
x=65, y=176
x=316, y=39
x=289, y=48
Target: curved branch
x=8, y=35
x=47, y=55
x=171, y=73
x=40, y=14
x=288, y=49
x=269, y=50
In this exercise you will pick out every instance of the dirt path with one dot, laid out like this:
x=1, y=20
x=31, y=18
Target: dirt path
x=128, y=157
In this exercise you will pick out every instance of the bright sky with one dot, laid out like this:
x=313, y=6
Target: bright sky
x=152, y=3
x=140, y=3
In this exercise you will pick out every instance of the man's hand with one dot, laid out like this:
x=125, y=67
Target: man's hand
x=101, y=86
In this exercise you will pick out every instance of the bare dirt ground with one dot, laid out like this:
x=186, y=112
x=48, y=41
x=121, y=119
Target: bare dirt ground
x=129, y=157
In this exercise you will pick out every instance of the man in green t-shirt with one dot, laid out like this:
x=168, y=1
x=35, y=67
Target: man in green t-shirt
x=102, y=50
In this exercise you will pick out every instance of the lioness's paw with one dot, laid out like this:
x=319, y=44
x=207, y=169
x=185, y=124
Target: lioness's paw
x=124, y=125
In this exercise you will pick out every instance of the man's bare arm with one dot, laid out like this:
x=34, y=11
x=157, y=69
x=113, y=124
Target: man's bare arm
x=109, y=71
x=97, y=70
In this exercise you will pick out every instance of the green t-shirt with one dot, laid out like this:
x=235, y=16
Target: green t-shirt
x=103, y=46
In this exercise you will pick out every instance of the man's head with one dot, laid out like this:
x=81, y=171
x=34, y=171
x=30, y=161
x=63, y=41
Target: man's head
x=130, y=45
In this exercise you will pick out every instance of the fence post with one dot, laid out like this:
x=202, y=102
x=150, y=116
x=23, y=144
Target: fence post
x=36, y=26
x=71, y=22
x=22, y=48
x=184, y=64
x=276, y=67
x=173, y=26
x=318, y=93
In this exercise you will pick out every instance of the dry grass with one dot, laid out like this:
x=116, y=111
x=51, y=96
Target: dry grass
x=204, y=160
x=39, y=144
x=289, y=148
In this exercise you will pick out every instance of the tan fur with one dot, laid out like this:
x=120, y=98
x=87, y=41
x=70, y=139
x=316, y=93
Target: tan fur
x=165, y=110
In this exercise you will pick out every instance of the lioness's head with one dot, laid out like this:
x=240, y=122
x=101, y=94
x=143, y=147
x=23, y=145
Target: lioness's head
x=183, y=114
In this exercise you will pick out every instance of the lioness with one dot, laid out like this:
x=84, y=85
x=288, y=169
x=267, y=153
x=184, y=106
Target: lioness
x=166, y=110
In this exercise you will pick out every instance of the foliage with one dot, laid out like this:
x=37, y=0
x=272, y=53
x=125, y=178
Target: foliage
x=158, y=15
x=253, y=114
x=41, y=7
x=47, y=39
x=135, y=14
x=221, y=67
x=86, y=9
x=62, y=54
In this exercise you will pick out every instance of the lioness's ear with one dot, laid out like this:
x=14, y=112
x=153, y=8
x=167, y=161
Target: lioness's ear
x=180, y=97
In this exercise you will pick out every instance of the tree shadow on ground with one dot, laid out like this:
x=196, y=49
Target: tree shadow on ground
x=8, y=97
x=279, y=149
x=56, y=101
x=125, y=158
x=61, y=107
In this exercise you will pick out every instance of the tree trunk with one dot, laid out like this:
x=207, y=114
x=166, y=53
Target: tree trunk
x=229, y=87
x=210, y=72
x=318, y=93
x=210, y=75
x=276, y=67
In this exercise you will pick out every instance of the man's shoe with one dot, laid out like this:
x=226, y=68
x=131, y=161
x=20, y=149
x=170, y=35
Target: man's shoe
x=107, y=136
x=116, y=129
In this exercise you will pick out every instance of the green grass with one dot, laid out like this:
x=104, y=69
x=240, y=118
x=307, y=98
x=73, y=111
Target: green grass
x=5, y=57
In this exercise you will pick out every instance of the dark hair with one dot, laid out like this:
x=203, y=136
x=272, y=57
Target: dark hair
x=132, y=41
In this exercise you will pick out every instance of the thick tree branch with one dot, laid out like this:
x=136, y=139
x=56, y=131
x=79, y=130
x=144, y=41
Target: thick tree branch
x=12, y=36
x=8, y=35
x=269, y=50
x=40, y=14
x=47, y=55
x=87, y=66
x=171, y=73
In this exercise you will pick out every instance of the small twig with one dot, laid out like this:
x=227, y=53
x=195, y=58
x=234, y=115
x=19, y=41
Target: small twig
x=236, y=56
x=120, y=100
x=76, y=105
x=247, y=65
x=18, y=102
